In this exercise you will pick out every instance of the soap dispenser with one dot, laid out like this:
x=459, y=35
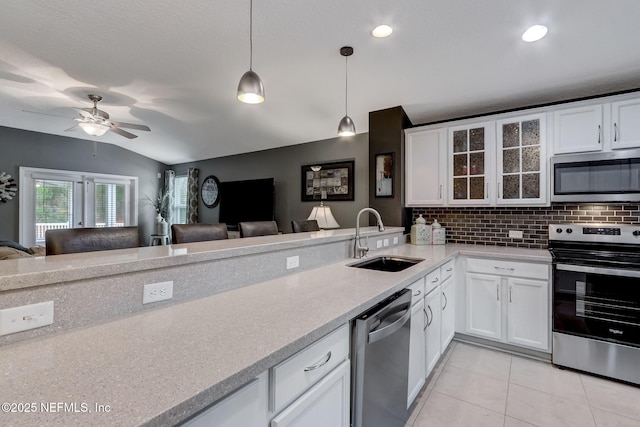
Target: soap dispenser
x=420, y=232
x=438, y=233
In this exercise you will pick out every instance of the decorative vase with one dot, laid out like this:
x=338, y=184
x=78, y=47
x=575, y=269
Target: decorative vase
x=163, y=228
x=156, y=224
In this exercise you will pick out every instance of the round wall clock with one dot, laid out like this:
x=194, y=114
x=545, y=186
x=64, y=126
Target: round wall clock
x=210, y=191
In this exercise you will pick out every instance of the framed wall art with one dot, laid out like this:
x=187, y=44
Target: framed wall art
x=384, y=175
x=327, y=181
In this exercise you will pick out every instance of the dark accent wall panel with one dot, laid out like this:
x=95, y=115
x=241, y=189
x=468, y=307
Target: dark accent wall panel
x=491, y=225
x=386, y=135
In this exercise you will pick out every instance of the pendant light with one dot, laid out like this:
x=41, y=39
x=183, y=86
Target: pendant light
x=250, y=88
x=346, y=126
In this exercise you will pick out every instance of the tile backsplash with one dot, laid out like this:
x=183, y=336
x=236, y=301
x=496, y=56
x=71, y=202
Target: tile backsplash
x=491, y=225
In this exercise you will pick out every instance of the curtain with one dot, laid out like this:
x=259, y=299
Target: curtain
x=192, y=196
x=169, y=190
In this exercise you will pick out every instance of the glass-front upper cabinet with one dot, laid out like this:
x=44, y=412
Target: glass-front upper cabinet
x=470, y=154
x=521, y=160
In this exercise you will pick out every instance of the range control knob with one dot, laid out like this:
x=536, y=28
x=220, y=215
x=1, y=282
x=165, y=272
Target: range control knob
x=558, y=230
x=636, y=233
x=569, y=230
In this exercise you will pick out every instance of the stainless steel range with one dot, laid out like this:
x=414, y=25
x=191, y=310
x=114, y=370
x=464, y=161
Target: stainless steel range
x=596, y=298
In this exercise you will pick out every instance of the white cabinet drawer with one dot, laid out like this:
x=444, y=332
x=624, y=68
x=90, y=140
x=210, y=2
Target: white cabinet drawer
x=432, y=280
x=508, y=268
x=292, y=377
x=417, y=290
x=446, y=270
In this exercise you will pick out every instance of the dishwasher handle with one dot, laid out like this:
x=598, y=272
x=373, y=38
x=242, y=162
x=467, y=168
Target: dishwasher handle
x=380, y=334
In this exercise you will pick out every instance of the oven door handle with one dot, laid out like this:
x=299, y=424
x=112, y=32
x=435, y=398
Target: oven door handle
x=598, y=270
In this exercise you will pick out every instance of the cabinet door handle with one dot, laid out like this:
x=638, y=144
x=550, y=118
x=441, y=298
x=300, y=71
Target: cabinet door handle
x=320, y=364
x=498, y=292
x=429, y=321
x=486, y=196
x=510, y=292
x=498, y=189
x=615, y=132
x=445, y=301
x=599, y=133
x=426, y=325
x=440, y=192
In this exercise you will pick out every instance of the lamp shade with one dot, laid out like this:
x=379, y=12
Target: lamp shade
x=323, y=215
x=250, y=88
x=346, y=127
x=94, y=129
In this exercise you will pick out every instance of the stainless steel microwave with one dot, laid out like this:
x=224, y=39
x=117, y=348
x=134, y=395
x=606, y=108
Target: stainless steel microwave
x=596, y=177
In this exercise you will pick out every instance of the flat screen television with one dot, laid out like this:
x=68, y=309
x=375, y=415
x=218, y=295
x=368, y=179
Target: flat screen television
x=250, y=200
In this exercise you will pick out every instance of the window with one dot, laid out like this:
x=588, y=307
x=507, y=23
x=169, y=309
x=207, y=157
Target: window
x=179, y=214
x=52, y=199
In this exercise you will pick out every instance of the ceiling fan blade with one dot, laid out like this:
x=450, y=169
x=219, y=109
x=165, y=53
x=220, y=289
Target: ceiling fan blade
x=84, y=112
x=122, y=132
x=131, y=126
x=47, y=114
x=71, y=128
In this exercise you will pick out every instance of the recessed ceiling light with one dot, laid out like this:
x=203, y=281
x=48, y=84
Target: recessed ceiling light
x=534, y=33
x=382, y=31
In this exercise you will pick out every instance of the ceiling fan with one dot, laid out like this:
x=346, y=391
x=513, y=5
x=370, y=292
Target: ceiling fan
x=96, y=122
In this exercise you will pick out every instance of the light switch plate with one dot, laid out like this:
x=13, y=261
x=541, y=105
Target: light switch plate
x=515, y=234
x=23, y=318
x=293, y=262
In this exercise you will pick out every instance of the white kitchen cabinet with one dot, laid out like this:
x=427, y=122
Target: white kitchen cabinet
x=448, y=327
x=483, y=306
x=508, y=301
x=521, y=160
x=425, y=166
x=417, y=349
x=625, y=127
x=578, y=129
x=528, y=313
x=471, y=164
x=433, y=326
x=245, y=407
x=324, y=404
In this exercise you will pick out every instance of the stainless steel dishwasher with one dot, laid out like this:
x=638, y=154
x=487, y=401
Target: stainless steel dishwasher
x=380, y=367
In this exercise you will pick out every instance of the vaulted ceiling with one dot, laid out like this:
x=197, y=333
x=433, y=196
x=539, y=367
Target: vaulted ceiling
x=175, y=65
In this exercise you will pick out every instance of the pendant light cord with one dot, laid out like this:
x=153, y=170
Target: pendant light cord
x=250, y=34
x=346, y=85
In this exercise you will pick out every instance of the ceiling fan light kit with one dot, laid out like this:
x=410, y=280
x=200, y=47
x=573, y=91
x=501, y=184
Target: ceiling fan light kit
x=250, y=88
x=93, y=129
x=346, y=127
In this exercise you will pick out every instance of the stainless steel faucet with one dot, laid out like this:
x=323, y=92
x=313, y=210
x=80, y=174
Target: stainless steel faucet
x=358, y=250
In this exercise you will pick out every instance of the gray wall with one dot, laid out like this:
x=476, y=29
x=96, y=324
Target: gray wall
x=284, y=165
x=33, y=149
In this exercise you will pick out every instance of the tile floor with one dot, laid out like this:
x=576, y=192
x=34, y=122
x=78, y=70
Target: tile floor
x=476, y=386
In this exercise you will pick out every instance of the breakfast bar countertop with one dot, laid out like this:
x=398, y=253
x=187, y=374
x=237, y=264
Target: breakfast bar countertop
x=159, y=366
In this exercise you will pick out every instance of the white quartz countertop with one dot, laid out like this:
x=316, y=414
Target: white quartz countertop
x=159, y=366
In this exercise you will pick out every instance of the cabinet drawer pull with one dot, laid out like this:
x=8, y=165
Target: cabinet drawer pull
x=449, y=269
x=319, y=364
x=435, y=280
x=418, y=293
x=445, y=300
x=503, y=268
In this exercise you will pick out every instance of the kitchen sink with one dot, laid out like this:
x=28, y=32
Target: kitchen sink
x=387, y=263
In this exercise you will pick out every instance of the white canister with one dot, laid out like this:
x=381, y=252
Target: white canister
x=420, y=232
x=438, y=233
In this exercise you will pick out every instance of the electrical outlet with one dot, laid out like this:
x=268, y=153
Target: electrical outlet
x=157, y=292
x=395, y=240
x=515, y=234
x=293, y=262
x=378, y=244
x=385, y=243
x=18, y=319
